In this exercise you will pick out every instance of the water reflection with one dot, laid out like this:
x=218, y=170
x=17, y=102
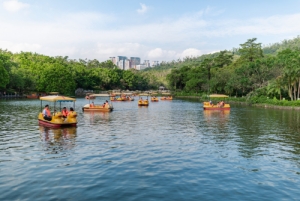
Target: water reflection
x=96, y=116
x=216, y=117
x=62, y=137
x=175, y=146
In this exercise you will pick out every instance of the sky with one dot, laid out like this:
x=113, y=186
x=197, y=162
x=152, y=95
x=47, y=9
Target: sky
x=155, y=30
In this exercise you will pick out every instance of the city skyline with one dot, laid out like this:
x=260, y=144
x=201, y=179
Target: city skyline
x=124, y=63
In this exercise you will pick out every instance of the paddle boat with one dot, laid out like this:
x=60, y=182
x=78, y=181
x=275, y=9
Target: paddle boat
x=122, y=97
x=143, y=102
x=220, y=106
x=166, y=96
x=106, y=107
x=154, y=99
x=57, y=120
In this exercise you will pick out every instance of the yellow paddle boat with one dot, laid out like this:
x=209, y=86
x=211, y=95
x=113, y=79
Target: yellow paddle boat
x=105, y=107
x=57, y=119
x=154, y=99
x=167, y=96
x=219, y=106
x=143, y=102
x=122, y=97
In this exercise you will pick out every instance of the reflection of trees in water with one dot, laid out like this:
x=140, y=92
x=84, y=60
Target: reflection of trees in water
x=217, y=119
x=58, y=138
x=260, y=130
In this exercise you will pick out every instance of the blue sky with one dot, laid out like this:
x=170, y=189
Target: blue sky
x=162, y=30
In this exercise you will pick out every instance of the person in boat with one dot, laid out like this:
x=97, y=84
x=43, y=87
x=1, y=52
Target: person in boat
x=46, y=113
x=65, y=112
x=92, y=104
x=210, y=102
x=105, y=104
x=71, y=110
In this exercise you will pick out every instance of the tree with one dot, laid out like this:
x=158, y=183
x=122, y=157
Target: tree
x=5, y=66
x=250, y=50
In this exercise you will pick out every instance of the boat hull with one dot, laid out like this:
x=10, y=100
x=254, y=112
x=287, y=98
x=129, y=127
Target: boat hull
x=216, y=108
x=56, y=125
x=97, y=108
x=58, y=121
x=143, y=103
x=208, y=106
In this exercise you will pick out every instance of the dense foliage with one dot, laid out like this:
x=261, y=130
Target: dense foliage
x=258, y=73
x=27, y=72
x=247, y=71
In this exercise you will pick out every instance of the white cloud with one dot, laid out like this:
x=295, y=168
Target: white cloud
x=14, y=5
x=191, y=52
x=89, y=35
x=160, y=54
x=18, y=47
x=143, y=9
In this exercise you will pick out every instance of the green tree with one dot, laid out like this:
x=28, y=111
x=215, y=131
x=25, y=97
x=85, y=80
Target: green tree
x=250, y=50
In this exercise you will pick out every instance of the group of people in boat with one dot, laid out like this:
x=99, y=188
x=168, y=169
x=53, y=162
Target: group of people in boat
x=105, y=104
x=47, y=113
x=219, y=104
x=166, y=98
x=123, y=98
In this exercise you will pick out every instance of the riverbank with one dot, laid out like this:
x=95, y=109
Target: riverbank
x=262, y=105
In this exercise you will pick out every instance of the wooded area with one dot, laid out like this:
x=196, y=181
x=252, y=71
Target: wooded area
x=272, y=71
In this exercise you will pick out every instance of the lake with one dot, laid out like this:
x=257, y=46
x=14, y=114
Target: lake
x=171, y=150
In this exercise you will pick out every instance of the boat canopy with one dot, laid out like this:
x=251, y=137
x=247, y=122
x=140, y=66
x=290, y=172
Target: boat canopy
x=57, y=98
x=117, y=93
x=100, y=95
x=218, y=96
x=166, y=93
x=54, y=93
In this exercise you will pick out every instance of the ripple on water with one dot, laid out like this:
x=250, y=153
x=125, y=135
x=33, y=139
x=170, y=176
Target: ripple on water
x=171, y=150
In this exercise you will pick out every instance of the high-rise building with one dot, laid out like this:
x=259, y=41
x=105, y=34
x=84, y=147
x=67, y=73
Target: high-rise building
x=114, y=60
x=155, y=63
x=147, y=63
x=126, y=64
x=121, y=62
x=134, y=61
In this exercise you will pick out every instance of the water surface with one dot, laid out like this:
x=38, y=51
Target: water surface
x=171, y=150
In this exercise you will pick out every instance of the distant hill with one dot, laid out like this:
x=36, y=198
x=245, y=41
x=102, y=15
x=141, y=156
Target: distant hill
x=277, y=47
x=267, y=49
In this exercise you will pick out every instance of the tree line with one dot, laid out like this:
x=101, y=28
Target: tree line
x=251, y=70
x=28, y=72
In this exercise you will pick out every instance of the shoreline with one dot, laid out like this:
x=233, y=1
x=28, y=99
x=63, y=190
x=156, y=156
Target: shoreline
x=262, y=105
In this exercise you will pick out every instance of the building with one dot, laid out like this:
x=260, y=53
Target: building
x=141, y=67
x=134, y=62
x=147, y=63
x=155, y=63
